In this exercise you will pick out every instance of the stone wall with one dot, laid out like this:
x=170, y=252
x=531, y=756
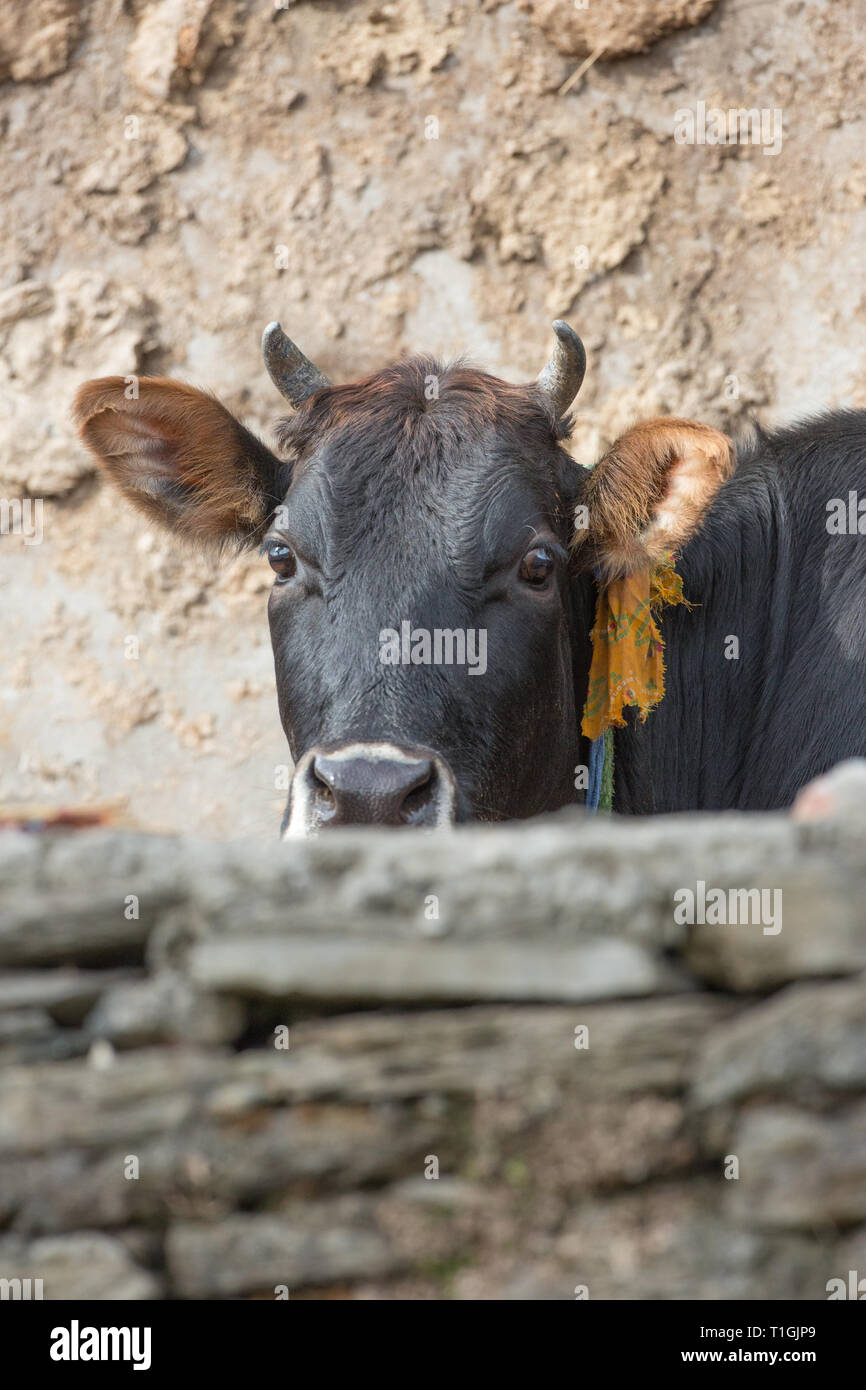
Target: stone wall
x=512, y=1071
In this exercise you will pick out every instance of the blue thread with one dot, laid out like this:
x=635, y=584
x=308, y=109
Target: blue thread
x=596, y=753
x=596, y=767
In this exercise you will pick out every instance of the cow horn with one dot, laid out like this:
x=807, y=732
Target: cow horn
x=292, y=373
x=561, y=378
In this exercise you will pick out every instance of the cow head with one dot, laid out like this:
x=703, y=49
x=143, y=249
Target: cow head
x=429, y=620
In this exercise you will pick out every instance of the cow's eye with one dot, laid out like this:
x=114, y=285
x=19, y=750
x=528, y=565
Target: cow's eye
x=537, y=566
x=281, y=560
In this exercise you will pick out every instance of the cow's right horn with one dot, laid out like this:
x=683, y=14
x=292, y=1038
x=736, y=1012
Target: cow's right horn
x=561, y=378
x=292, y=373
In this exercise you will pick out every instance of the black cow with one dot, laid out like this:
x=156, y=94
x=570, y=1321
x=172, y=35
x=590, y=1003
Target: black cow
x=431, y=612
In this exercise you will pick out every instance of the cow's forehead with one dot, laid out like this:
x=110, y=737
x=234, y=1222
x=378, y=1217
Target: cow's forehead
x=419, y=430
x=478, y=487
x=420, y=409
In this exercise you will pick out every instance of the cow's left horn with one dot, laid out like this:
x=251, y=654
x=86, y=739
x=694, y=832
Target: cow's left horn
x=292, y=373
x=562, y=377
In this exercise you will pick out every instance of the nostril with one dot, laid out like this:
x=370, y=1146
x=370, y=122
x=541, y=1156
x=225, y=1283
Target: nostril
x=418, y=798
x=326, y=800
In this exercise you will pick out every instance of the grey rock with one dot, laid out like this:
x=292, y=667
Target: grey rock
x=675, y=1241
x=799, y=1170
x=307, y=1244
x=18, y=1025
x=165, y=1009
x=823, y=933
x=430, y=971
x=56, y=1105
x=86, y=1265
x=643, y=1046
x=63, y=896
x=65, y=995
x=805, y=1041
x=848, y=1264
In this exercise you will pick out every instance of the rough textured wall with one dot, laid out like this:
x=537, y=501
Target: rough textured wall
x=178, y=173
x=486, y=1064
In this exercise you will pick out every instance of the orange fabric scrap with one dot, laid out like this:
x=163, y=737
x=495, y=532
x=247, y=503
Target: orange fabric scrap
x=627, y=649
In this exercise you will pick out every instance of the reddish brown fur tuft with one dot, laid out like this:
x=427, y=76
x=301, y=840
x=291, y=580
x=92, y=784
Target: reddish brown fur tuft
x=650, y=493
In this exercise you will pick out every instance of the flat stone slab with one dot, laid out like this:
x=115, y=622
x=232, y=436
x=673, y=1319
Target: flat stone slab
x=431, y=971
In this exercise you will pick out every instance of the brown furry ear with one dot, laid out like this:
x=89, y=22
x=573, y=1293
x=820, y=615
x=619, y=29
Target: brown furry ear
x=650, y=493
x=180, y=456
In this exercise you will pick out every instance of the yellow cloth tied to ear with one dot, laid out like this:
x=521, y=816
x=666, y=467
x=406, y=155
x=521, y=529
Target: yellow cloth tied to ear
x=627, y=650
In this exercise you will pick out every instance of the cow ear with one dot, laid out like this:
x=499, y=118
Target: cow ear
x=650, y=493
x=181, y=457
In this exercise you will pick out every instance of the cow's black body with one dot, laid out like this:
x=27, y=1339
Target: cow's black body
x=749, y=733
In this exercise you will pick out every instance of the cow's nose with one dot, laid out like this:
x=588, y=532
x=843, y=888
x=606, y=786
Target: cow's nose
x=383, y=791
x=370, y=784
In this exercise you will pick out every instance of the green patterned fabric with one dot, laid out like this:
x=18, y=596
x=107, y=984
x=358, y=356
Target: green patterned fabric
x=605, y=800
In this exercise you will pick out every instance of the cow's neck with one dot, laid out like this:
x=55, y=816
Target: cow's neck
x=717, y=741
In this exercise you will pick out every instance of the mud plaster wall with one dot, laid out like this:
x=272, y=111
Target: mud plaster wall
x=306, y=128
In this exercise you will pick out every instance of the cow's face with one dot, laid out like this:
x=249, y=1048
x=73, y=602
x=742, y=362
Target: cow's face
x=428, y=634
x=420, y=613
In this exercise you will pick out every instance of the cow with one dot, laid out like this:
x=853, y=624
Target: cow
x=434, y=600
